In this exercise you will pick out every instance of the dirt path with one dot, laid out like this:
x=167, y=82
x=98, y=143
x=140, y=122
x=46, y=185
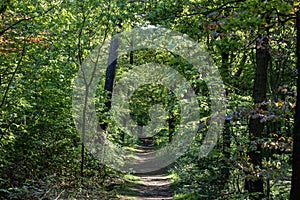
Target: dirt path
x=153, y=185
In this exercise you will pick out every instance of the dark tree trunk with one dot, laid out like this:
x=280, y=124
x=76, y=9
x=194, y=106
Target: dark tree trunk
x=226, y=152
x=225, y=66
x=110, y=77
x=295, y=190
x=111, y=72
x=255, y=126
x=171, y=116
x=226, y=132
x=171, y=124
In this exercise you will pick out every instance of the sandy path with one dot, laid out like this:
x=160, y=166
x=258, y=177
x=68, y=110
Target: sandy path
x=154, y=185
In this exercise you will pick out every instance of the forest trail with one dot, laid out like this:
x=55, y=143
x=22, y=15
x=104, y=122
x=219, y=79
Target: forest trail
x=148, y=186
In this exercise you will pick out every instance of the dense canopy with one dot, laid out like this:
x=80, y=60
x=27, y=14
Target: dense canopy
x=255, y=46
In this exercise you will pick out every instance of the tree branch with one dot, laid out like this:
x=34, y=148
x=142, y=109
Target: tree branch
x=25, y=19
x=13, y=75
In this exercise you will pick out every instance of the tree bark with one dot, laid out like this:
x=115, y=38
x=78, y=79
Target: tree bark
x=226, y=132
x=226, y=152
x=110, y=77
x=255, y=126
x=171, y=116
x=295, y=189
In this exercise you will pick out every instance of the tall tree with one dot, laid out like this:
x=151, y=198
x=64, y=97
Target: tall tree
x=295, y=190
x=111, y=71
x=110, y=76
x=254, y=185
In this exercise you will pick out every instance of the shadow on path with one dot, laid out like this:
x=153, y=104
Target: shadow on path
x=152, y=185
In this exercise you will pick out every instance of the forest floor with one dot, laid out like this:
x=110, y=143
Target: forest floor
x=152, y=185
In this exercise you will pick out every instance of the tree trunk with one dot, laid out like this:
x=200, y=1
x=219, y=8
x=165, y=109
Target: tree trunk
x=255, y=126
x=171, y=116
x=295, y=190
x=110, y=77
x=226, y=132
x=226, y=152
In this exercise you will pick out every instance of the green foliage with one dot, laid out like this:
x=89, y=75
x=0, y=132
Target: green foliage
x=42, y=45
